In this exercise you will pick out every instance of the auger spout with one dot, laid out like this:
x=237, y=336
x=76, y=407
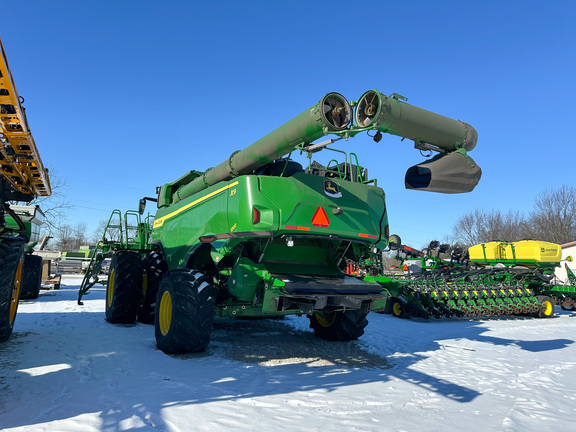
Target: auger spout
x=452, y=171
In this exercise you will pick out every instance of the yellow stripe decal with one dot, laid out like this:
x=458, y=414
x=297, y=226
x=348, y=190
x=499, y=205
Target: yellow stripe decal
x=159, y=222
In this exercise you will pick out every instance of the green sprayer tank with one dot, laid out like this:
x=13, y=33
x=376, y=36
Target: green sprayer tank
x=261, y=235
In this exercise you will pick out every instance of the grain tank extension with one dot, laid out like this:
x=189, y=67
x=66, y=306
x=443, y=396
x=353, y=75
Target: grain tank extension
x=262, y=235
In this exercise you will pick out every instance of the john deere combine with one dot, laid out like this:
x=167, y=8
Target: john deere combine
x=261, y=235
x=495, y=278
x=22, y=178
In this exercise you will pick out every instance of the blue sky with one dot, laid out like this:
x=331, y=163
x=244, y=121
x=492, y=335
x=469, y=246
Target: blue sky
x=123, y=96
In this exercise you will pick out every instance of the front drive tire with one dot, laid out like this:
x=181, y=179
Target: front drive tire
x=184, y=312
x=11, y=266
x=339, y=326
x=124, y=288
x=31, y=277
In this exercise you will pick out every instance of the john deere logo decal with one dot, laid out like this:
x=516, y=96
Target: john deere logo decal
x=331, y=189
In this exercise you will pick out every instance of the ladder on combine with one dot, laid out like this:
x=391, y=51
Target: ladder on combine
x=128, y=232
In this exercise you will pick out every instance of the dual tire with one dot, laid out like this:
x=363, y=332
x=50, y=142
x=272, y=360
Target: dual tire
x=154, y=267
x=179, y=302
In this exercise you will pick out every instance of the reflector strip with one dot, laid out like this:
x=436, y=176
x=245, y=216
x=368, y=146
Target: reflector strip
x=367, y=236
x=299, y=228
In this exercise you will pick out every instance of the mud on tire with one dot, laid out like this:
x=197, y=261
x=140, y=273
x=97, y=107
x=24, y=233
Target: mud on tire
x=31, y=277
x=184, y=312
x=339, y=326
x=11, y=264
x=124, y=288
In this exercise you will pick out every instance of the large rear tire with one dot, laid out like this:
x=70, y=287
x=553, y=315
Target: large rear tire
x=11, y=266
x=31, y=277
x=184, y=312
x=339, y=326
x=124, y=288
x=154, y=268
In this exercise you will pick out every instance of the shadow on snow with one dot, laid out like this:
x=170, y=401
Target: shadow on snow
x=71, y=366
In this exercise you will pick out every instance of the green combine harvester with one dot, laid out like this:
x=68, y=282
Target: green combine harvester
x=262, y=235
x=495, y=278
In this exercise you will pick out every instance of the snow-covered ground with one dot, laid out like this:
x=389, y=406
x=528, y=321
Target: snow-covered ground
x=66, y=369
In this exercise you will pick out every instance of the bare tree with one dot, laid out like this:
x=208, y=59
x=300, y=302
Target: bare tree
x=554, y=216
x=481, y=226
x=97, y=234
x=70, y=237
x=56, y=206
x=112, y=230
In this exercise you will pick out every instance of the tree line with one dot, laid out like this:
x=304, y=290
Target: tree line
x=553, y=219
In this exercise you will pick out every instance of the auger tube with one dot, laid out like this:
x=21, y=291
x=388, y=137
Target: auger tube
x=331, y=114
x=390, y=115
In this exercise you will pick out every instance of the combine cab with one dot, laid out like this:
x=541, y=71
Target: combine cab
x=22, y=178
x=263, y=235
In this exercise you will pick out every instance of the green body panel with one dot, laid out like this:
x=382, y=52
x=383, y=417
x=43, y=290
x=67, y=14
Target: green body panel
x=32, y=218
x=286, y=206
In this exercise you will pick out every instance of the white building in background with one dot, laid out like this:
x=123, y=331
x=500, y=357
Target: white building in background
x=568, y=249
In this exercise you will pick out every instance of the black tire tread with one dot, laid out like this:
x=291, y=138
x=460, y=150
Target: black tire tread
x=11, y=252
x=31, y=277
x=347, y=326
x=542, y=299
x=155, y=267
x=127, y=267
x=192, y=312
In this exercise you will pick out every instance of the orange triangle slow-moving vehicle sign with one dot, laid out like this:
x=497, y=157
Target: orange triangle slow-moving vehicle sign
x=320, y=218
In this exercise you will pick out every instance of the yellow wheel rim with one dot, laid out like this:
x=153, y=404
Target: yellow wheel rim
x=548, y=308
x=397, y=309
x=326, y=320
x=16, y=292
x=165, y=313
x=111, y=280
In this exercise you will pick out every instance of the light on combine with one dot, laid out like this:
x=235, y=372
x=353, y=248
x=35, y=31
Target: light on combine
x=255, y=215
